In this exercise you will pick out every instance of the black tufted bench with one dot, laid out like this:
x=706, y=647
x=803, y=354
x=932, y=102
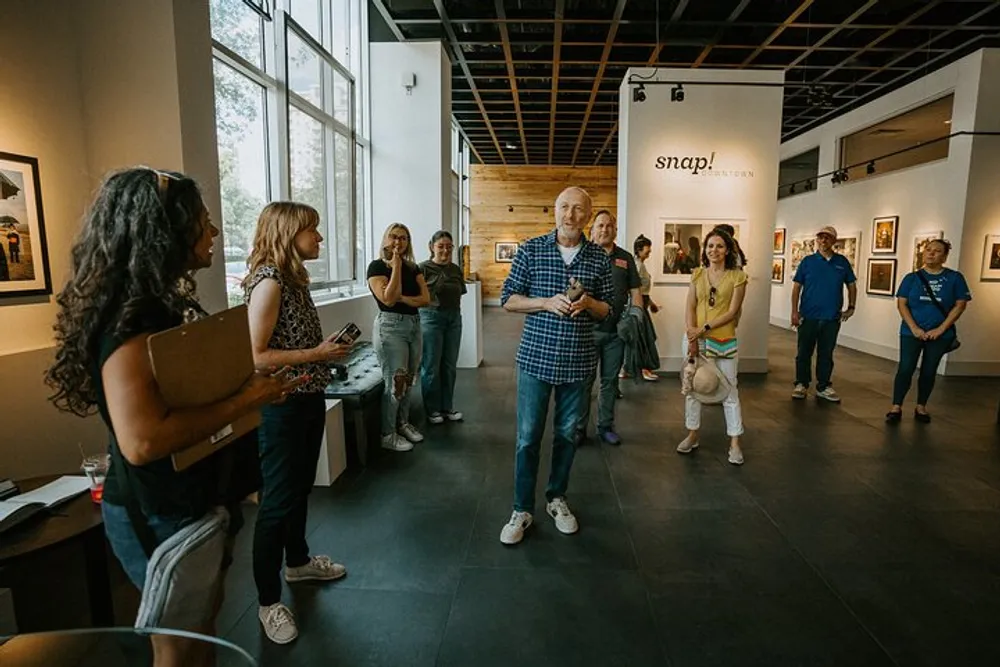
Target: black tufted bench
x=361, y=392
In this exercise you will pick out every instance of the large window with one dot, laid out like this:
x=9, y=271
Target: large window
x=797, y=174
x=291, y=118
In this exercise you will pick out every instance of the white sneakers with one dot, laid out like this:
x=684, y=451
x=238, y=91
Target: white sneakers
x=513, y=530
x=829, y=394
x=439, y=417
x=277, y=619
x=396, y=443
x=319, y=568
x=687, y=445
x=278, y=622
x=799, y=392
x=736, y=456
x=408, y=431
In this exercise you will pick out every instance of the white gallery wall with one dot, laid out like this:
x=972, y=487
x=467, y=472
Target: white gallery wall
x=710, y=159
x=931, y=197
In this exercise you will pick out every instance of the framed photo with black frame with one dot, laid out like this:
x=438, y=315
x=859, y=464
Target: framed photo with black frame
x=24, y=258
x=881, y=277
x=885, y=232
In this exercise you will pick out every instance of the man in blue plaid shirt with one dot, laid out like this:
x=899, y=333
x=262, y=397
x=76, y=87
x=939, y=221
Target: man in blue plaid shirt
x=557, y=351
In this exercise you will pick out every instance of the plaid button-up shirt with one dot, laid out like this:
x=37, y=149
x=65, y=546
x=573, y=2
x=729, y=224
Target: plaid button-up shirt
x=555, y=349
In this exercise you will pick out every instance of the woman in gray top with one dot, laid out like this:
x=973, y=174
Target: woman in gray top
x=441, y=328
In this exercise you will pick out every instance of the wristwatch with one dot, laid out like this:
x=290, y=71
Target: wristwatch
x=708, y=327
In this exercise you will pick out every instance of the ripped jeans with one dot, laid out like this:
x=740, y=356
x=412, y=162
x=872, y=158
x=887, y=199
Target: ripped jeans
x=396, y=339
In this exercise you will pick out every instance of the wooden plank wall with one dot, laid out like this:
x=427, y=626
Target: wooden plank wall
x=528, y=189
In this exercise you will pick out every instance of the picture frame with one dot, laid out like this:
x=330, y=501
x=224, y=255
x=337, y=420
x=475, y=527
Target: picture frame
x=504, y=251
x=991, y=258
x=881, y=277
x=885, y=232
x=919, y=241
x=778, y=270
x=677, y=247
x=24, y=255
x=849, y=245
x=800, y=249
x=779, y=240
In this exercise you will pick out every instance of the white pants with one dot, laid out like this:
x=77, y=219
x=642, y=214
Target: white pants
x=730, y=405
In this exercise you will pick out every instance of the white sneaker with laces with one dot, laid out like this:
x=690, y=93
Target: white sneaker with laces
x=736, y=456
x=687, y=445
x=829, y=394
x=396, y=443
x=319, y=568
x=409, y=432
x=513, y=530
x=565, y=521
x=278, y=622
x=435, y=418
x=453, y=416
x=799, y=391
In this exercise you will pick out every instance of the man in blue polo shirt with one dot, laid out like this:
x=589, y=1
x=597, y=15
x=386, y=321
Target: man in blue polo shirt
x=818, y=310
x=557, y=351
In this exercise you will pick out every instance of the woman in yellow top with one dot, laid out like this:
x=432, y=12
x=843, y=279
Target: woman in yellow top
x=713, y=305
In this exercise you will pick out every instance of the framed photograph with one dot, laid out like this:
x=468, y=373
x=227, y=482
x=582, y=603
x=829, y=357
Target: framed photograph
x=919, y=243
x=884, y=232
x=504, y=251
x=778, y=270
x=801, y=248
x=991, y=258
x=881, y=277
x=24, y=258
x=779, y=240
x=849, y=246
x=677, y=247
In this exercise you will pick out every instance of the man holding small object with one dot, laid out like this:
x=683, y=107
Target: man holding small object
x=562, y=283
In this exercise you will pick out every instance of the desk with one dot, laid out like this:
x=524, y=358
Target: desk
x=109, y=647
x=361, y=392
x=77, y=520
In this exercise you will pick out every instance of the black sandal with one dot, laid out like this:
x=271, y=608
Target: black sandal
x=922, y=417
x=893, y=416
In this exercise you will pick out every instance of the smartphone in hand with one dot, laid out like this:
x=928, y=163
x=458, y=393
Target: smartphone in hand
x=348, y=335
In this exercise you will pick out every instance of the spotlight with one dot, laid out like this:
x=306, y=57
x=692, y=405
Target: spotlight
x=844, y=175
x=791, y=189
x=809, y=184
x=677, y=93
x=545, y=209
x=870, y=169
x=510, y=209
x=639, y=94
x=835, y=179
x=511, y=146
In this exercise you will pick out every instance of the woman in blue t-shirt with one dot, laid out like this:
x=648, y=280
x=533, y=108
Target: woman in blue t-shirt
x=930, y=301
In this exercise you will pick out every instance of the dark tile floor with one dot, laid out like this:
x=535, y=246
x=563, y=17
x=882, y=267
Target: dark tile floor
x=840, y=542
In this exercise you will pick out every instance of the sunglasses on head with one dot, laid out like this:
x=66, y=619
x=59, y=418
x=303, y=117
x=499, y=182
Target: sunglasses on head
x=163, y=184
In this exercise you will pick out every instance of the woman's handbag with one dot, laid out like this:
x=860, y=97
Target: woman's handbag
x=955, y=343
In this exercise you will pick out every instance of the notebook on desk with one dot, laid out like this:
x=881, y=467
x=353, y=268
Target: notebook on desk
x=21, y=507
x=201, y=363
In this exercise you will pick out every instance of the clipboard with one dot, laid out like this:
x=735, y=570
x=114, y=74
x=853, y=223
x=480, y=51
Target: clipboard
x=201, y=363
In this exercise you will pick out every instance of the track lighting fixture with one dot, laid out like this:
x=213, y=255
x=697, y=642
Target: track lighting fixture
x=639, y=94
x=809, y=184
x=677, y=93
x=791, y=189
x=545, y=209
x=510, y=209
x=870, y=169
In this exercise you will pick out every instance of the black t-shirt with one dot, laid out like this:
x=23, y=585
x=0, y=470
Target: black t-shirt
x=409, y=282
x=159, y=489
x=445, y=284
x=624, y=277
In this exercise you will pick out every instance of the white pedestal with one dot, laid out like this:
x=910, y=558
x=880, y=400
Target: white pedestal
x=332, y=454
x=471, y=353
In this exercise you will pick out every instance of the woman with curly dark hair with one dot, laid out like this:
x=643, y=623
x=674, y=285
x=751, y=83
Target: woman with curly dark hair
x=145, y=234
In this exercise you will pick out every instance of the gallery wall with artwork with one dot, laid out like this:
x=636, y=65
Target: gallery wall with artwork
x=688, y=166
x=884, y=221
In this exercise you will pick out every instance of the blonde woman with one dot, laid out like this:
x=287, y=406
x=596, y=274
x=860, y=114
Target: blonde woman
x=399, y=288
x=713, y=305
x=285, y=331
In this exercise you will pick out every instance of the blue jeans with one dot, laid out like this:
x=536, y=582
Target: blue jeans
x=442, y=334
x=396, y=339
x=611, y=352
x=910, y=351
x=532, y=412
x=290, y=436
x=821, y=336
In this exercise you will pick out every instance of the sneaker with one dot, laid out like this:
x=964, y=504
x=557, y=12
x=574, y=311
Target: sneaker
x=513, y=531
x=319, y=568
x=650, y=376
x=435, y=418
x=736, y=456
x=410, y=433
x=453, y=416
x=565, y=521
x=799, y=392
x=396, y=443
x=623, y=375
x=278, y=622
x=687, y=445
x=580, y=437
x=609, y=437
x=829, y=394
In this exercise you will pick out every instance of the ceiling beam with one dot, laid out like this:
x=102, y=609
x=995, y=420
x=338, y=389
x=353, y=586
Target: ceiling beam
x=460, y=57
x=512, y=76
x=556, y=54
x=777, y=31
x=612, y=32
x=390, y=21
x=733, y=15
x=704, y=24
x=653, y=59
x=678, y=10
x=830, y=35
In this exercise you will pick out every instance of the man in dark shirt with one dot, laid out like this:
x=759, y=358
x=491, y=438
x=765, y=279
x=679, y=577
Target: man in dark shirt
x=14, y=245
x=610, y=347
